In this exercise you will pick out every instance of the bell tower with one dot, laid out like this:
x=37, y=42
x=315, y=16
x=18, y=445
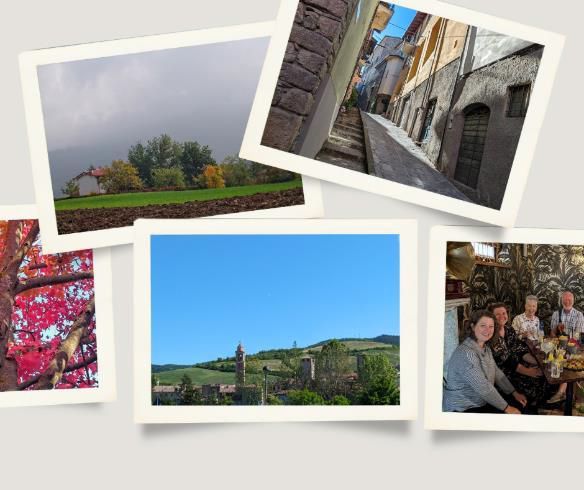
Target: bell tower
x=240, y=365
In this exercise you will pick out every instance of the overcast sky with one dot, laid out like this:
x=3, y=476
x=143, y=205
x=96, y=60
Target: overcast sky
x=201, y=93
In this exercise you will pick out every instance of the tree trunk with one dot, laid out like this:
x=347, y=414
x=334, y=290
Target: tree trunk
x=52, y=375
x=10, y=260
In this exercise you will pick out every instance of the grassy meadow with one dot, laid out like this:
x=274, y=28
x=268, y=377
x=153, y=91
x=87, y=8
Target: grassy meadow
x=134, y=199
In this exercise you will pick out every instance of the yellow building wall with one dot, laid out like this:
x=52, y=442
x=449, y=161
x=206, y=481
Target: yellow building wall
x=441, y=42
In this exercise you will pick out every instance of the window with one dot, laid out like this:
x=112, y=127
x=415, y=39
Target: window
x=518, y=100
x=425, y=132
x=490, y=253
x=472, y=145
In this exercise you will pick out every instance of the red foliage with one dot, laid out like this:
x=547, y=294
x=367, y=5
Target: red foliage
x=42, y=316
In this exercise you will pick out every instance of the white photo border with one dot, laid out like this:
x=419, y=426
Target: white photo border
x=145, y=412
x=31, y=60
x=106, y=390
x=434, y=417
x=253, y=149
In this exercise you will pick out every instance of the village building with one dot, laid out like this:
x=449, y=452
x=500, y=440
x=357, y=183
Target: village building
x=463, y=100
x=380, y=75
x=89, y=182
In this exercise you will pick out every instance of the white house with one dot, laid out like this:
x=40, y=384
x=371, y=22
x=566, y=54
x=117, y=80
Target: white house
x=89, y=182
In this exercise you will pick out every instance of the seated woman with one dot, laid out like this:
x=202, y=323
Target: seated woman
x=527, y=324
x=472, y=374
x=514, y=359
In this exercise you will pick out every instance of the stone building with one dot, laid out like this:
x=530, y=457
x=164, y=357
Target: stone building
x=462, y=97
x=380, y=75
x=325, y=43
x=308, y=369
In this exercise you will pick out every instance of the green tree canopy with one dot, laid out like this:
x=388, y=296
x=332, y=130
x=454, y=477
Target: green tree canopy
x=378, y=380
x=332, y=364
x=168, y=177
x=304, y=397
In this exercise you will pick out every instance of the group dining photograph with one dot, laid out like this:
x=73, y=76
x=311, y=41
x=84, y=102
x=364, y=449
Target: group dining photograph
x=514, y=329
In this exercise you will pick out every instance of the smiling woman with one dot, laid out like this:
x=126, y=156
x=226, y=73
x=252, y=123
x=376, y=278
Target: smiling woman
x=474, y=380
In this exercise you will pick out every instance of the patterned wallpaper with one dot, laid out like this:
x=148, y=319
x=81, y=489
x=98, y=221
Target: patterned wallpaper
x=542, y=270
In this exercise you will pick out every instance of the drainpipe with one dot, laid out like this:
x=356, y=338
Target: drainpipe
x=468, y=45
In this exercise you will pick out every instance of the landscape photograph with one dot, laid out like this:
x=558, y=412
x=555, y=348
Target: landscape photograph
x=48, y=334
x=279, y=320
x=156, y=134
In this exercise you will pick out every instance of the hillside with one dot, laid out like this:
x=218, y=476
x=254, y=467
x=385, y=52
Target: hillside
x=222, y=370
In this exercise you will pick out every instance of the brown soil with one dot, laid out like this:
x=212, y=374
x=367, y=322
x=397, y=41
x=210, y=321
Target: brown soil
x=79, y=220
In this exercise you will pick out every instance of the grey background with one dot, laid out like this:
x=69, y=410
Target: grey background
x=97, y=445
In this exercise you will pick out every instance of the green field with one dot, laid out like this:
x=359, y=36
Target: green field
x=198, y=376
x=134, y=199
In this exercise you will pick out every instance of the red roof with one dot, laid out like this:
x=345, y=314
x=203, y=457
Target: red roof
x=98, y=172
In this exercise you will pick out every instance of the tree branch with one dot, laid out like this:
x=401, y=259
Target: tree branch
x=68, y=369
x=52, y=374
x=39, y=282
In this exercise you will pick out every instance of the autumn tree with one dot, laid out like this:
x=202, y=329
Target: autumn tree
x=121, y=176
x=47, y=313
x=212, y=177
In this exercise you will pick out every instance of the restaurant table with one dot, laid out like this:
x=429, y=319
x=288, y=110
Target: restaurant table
x=568, y=376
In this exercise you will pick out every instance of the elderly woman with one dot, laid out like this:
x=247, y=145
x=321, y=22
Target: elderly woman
x=473, y=377
x=527, y=324
x=514, y=359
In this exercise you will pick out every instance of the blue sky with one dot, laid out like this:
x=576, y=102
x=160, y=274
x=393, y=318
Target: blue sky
x=398, y=23
x=211, y=291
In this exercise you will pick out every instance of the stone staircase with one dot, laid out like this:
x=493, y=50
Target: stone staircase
x=345, y=146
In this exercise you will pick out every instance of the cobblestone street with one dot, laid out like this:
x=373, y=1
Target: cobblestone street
x=395, y=157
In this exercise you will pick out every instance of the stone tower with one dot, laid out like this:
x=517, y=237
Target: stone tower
x=308, y=368
x=240, y=365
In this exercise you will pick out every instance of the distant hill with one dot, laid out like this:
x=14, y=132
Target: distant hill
x=382, y=339
x=159, y=368
x=222, y=370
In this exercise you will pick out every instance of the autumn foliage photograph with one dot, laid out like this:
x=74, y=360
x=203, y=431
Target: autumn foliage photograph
x=47, y=314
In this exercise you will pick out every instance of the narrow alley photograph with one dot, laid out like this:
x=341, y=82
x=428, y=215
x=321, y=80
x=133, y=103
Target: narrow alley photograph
x=404, y=95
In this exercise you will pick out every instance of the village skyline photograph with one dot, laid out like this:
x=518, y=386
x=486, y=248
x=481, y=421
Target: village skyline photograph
x=295, y=328
x=147, y=135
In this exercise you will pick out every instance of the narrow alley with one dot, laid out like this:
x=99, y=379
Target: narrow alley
x=392, y=154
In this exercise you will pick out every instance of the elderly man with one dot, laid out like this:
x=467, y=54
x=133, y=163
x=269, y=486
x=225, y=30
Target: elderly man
x=567, y=320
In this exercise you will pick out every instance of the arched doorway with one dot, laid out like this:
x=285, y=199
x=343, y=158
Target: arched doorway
x=472, y=144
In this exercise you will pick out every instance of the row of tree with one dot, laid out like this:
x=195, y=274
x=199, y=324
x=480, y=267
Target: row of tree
x=163, y=163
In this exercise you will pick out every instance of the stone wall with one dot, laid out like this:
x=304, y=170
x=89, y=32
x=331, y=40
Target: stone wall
x=317, y=34
x=490, y=86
